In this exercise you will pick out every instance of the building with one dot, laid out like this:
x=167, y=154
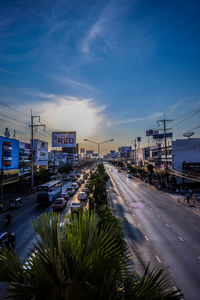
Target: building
x=40, y=154
x=25, y=160
x=186, y=154
x=180, y=154
x=9, y=160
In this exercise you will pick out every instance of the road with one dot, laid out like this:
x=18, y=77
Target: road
x=20, y=225
x=159, y=230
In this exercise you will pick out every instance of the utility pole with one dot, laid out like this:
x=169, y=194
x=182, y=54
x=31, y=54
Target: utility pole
x=165, y=129
x=135, y=145
x=32, y=150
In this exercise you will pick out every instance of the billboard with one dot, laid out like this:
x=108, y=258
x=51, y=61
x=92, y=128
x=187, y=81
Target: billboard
x=125, y=149
x=40, y=152
x=161, y=136
x=82, y=150
x=9, y=153
x=89, y=152
x=9, y=160
x=151, y=132
x=64, y=139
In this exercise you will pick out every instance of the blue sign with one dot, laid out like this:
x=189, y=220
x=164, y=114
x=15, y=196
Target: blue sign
x=9, y=153
x=161, y=136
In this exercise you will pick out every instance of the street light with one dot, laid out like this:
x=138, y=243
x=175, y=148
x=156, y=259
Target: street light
x=86, y=140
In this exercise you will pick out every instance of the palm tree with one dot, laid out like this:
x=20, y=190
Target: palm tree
x=80, y=260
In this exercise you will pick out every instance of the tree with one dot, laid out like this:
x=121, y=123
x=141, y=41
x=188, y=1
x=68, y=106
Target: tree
x=80, y=260
x=150, y=172
x=65, y=169
x=42, y=176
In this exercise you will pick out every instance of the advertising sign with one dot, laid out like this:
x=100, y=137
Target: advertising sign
x=161, y=136
x=89, y=152
x=151, y=132
x=64, y=139
x=40, y=152
x=125, y=149
x=9, y=153
x=82, y=150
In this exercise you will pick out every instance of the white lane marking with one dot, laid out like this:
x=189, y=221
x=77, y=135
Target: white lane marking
x=158, y=259
x=146, y=238
x=167, y=225
x=133, y=215
x=182, y=240
x=158, y=216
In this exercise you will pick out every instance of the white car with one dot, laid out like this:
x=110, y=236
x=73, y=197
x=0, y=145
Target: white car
x=76, y=206
x=59, y=203
x=82, y=196
x=85, y=190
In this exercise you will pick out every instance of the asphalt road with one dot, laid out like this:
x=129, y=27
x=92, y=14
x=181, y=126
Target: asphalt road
x=20, y=225
x=159, y=230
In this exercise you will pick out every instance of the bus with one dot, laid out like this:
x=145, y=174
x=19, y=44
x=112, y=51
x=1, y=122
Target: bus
x=49, y=191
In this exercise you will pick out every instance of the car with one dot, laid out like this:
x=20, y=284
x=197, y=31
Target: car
x=75, y=186
x=85, y=190
x=82, y=180
x=79, y=183
x=78, y=175
x=66, y=196
x=119, y=171
x=76, y=206
x=82, y=196
x=70, y=191
x=59, y=203
x=66, y=178
x=7, y=240
x=129, y=176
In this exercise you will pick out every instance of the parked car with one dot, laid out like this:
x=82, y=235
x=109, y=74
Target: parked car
x=119, y=171
x=79, y=183
x=75, y=186
x=66, y=196
x=82, y=196
x=76, y=206
x=70, y=191
x=59, y=203
x=82, y=180
x=7, y=240
x=129, y=176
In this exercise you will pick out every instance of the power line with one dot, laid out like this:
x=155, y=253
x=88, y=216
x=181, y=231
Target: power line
x=6, y=105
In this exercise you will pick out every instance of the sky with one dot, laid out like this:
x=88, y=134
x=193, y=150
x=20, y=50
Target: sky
x=107, y=69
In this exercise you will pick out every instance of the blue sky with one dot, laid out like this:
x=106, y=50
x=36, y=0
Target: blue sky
x=108, y=69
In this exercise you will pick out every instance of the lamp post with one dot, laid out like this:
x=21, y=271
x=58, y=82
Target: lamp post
x=98, y=144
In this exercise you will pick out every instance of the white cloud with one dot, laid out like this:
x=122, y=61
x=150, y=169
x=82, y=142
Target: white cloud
x=68, y=113
x=73, y=83
x=132, y=120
